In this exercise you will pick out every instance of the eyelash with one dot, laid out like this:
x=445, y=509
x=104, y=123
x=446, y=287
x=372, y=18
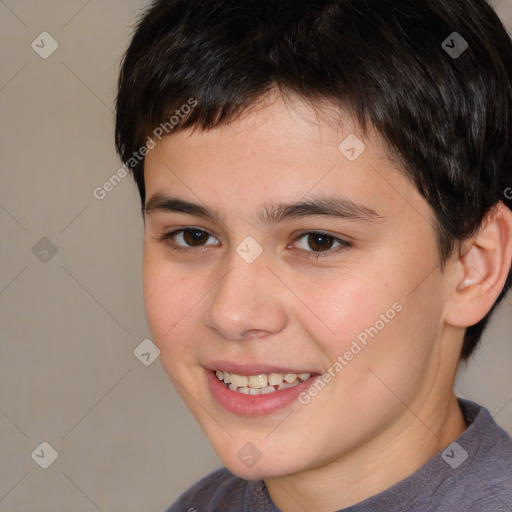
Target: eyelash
x=343, y=244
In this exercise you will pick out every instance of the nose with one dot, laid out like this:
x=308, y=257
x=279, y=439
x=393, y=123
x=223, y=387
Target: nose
x=247, y=301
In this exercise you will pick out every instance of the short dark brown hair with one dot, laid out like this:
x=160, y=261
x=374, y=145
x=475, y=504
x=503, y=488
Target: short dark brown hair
x=447, y=117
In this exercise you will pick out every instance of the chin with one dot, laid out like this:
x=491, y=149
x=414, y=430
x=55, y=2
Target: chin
x=250, y=463
x=262, y=470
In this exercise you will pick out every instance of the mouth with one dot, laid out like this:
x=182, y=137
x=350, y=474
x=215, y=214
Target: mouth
x=262, y=383
x=248, y=390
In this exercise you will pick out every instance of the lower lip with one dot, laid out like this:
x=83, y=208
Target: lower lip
x=255, y=405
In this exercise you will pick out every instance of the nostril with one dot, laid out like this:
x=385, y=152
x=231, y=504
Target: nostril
x=254, y=333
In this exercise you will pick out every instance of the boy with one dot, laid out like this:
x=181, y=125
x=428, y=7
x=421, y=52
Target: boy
x=327, y=231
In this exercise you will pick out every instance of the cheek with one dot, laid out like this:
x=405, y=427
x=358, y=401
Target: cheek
x=371, y=320
x=337, y=311
x=168, y=298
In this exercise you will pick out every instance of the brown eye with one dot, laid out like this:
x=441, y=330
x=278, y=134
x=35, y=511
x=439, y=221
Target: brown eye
x=195, y=237
x=188, y=239
x=314, y=244
x=320, y=241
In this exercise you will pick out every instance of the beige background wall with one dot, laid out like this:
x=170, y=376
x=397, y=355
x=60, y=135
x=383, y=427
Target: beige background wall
x=70, y=321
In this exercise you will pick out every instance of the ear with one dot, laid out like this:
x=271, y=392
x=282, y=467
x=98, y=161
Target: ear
x=482, y=268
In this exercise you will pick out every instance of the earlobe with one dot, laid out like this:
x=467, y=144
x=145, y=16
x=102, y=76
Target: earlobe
x=483, y=266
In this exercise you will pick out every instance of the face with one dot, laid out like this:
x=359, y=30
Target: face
x=293, y=290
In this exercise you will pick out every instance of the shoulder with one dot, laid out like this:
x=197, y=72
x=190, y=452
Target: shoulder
x=472, y=474
x=484, y=480
x=490, y=446
x=219, y=491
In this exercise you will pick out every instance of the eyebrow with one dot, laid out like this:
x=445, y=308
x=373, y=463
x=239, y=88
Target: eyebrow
x=328, y=206
x=162, y=203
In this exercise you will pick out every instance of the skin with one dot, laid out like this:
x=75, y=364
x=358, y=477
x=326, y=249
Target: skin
x=392, y=407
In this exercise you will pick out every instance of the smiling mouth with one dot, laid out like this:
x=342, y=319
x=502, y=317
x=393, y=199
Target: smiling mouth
x=262, y=383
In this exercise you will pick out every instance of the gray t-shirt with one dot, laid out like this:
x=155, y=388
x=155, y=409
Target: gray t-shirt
x=472, y=474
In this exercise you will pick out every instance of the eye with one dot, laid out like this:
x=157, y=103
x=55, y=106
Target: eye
x=320, y=243
x=182, y=239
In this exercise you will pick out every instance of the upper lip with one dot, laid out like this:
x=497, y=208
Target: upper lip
x=248, y=369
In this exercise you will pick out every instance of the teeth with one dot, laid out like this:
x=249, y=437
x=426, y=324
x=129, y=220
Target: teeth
x=274, y=379
x=239, y=381
x=258, y=381
x=261, y=384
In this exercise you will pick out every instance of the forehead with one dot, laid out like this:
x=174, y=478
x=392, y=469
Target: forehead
x=279, y=151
